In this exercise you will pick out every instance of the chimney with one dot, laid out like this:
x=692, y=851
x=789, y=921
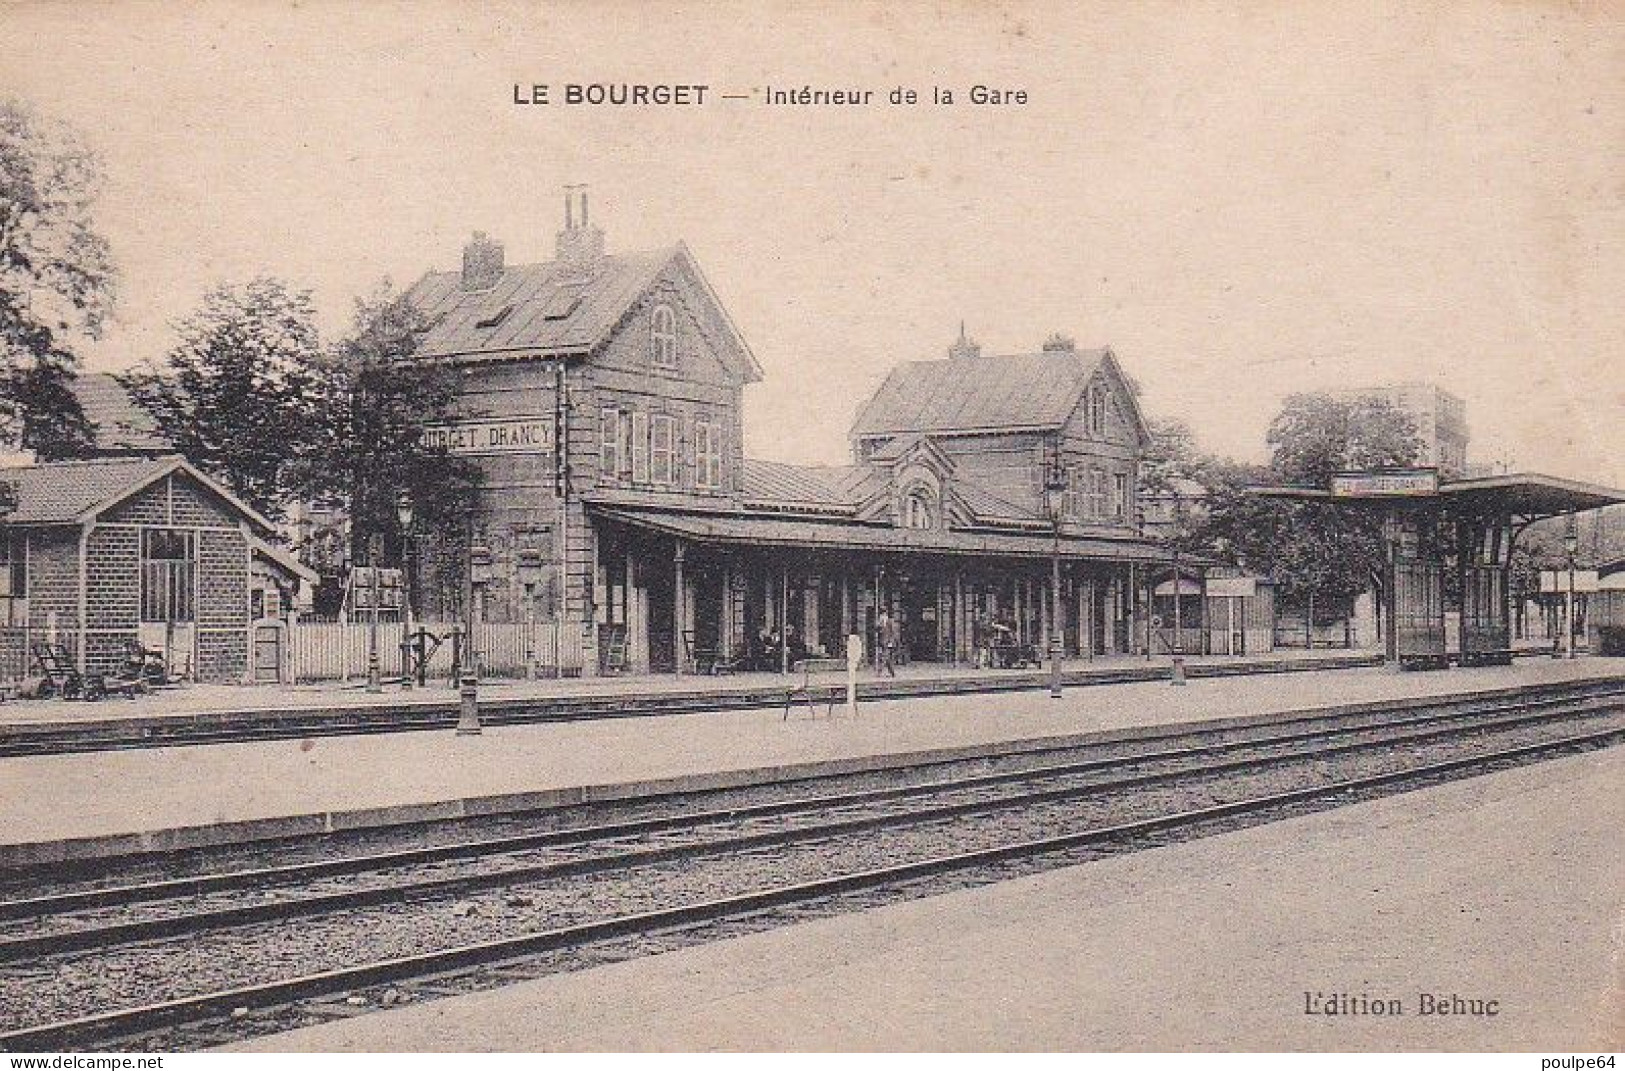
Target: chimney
x=482, y=262
x=1059, y=343
x=964, y=348
x=579, y=243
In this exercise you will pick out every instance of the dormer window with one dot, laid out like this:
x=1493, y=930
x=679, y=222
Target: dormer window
x=663, y=337
x=917, y=510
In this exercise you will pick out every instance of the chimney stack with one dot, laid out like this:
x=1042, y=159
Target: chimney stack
x=579, y=244
x=482, y=262
x=1059, y=343
x=964, y=348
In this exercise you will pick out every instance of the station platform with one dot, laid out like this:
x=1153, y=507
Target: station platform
x=1208, y=945
x=59, y=807
x=631, y=694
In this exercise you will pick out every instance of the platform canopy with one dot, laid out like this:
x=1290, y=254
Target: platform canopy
x=1528, y=496
x=803, y=533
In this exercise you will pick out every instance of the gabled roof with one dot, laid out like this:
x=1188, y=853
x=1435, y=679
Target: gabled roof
x=120, y=424
x=555, y=308
x=1033, y=390
x=73, y=492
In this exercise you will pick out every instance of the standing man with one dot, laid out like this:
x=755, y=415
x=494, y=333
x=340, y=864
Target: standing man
x=890, y=635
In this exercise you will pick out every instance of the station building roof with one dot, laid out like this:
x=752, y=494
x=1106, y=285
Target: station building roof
x=1029, y=391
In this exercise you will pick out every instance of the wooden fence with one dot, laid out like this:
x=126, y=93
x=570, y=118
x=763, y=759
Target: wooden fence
x=339, y=650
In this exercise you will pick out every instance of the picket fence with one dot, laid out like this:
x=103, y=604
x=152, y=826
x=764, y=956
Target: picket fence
x=338, y=650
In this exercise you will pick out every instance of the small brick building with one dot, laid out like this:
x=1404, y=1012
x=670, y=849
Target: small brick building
x=99, y=553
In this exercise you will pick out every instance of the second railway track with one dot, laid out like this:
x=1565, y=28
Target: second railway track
x=634, y=876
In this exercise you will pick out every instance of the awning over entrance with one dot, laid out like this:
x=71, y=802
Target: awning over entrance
x=845, y=535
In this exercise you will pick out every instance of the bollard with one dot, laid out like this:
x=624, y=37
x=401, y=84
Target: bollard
x=854, y=659
x=468, y=706
x=1179, y=671
x=406, y=663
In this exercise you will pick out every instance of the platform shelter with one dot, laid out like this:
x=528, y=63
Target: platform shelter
x=1431, y=526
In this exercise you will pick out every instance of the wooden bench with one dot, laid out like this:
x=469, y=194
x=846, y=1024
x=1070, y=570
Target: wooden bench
x=805, y=668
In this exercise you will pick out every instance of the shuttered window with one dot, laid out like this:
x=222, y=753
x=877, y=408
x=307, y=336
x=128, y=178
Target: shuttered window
x=609, y=444
x=640, y=447
x=662, y=450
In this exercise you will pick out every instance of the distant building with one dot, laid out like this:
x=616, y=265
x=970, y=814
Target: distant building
x=120, y=427
x=1440, y=418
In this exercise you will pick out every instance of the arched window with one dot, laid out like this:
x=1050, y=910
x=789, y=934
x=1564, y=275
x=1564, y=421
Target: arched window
x=917, y=510
x=663, y=337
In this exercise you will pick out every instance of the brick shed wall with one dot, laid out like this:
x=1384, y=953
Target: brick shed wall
x=222, y=604
x=53, y=584
x=112, y=596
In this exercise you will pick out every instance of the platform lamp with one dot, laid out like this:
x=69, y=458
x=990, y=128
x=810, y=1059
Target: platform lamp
x=1571, y=548
x=1055, y=503
x=404, y=514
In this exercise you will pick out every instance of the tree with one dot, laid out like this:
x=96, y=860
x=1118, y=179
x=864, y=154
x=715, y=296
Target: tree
x=1313, y=550
x=375, y=401
x=238, y=394
x=1170, y=455
x=57, y=280
x=1315, y=436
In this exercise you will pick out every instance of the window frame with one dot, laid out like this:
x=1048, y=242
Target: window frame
x=659, y=453
x=918, y=506
x=708, y=454
x=173, y=598
x=640, y=447
x=663, y=336
x=609, y=443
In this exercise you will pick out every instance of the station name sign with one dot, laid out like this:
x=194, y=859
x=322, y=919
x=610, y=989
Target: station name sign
x=1417, y=482
x=510, y=435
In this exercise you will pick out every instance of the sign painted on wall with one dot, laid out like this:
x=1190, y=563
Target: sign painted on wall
x=510, y=435
x=1385, y=484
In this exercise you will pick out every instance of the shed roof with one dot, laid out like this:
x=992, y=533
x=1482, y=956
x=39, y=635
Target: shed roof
x=72, y=492
x=1033, y=390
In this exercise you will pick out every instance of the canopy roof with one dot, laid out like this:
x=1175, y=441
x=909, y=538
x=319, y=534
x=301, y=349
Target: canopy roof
x=756, y=530
x=1528, y=495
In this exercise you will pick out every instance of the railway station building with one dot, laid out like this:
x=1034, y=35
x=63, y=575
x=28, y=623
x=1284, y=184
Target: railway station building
x=602, y=400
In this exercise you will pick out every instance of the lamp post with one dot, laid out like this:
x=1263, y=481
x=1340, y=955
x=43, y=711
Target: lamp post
x=1571, y=547
x=404, y=513
x=1179, y=639
x=1054, y=501
x=375, y=551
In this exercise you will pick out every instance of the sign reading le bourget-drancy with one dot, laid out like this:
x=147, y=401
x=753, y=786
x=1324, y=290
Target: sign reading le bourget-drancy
x=1378, y=484
x=511, y=435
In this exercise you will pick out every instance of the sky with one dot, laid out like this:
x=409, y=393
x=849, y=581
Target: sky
x=1243, y=201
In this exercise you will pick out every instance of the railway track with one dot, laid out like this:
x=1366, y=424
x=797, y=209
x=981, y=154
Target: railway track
x=712, y=867
x=305, y=856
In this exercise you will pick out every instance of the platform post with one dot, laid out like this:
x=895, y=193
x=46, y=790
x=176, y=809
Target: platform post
x=468, y=704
